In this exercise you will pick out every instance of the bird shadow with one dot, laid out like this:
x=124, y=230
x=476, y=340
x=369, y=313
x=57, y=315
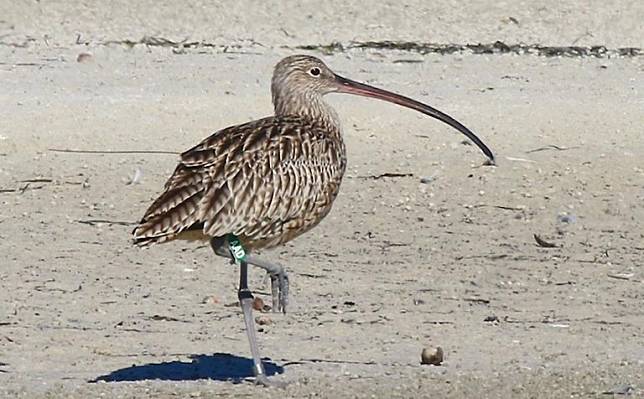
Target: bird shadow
x=219, y=367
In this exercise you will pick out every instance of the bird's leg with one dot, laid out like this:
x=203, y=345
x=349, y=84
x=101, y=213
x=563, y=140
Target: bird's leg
x=246, y=301
x=279, y=281
x=279, y=278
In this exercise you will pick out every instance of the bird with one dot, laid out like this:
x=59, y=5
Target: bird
x=261, y=184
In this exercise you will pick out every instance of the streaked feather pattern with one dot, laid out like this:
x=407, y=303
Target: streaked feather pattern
x=266, y=181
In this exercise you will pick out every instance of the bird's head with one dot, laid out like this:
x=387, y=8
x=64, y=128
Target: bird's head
x=300, y=81
x=303, y=74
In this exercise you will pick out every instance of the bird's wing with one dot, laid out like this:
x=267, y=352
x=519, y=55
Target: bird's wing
x=247, y=180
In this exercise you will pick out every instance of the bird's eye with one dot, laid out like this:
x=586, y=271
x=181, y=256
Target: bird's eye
x=315, y=71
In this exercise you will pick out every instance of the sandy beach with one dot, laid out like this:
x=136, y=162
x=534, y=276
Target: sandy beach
x=425, y=247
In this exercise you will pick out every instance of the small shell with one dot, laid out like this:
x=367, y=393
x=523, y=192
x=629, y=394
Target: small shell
x=260, y=306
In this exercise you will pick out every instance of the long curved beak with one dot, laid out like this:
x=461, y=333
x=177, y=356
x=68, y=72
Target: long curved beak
x=349, y=86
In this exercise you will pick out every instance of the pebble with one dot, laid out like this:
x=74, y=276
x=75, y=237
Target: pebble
x=263, y=320
x=432, y=356
x=84, y=57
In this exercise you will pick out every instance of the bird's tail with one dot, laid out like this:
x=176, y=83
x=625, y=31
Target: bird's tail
x=171, y=215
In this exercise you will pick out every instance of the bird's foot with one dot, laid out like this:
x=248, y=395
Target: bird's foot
x=279, y=290
x=264, y=381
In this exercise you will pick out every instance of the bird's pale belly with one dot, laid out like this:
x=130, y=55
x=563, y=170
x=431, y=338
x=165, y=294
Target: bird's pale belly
x=283, y=231
x=275, y=233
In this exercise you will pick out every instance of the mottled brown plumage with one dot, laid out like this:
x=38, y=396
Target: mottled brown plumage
x=266, y=181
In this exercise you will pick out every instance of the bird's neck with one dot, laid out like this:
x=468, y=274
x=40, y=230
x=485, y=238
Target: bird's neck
x=307, y=106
